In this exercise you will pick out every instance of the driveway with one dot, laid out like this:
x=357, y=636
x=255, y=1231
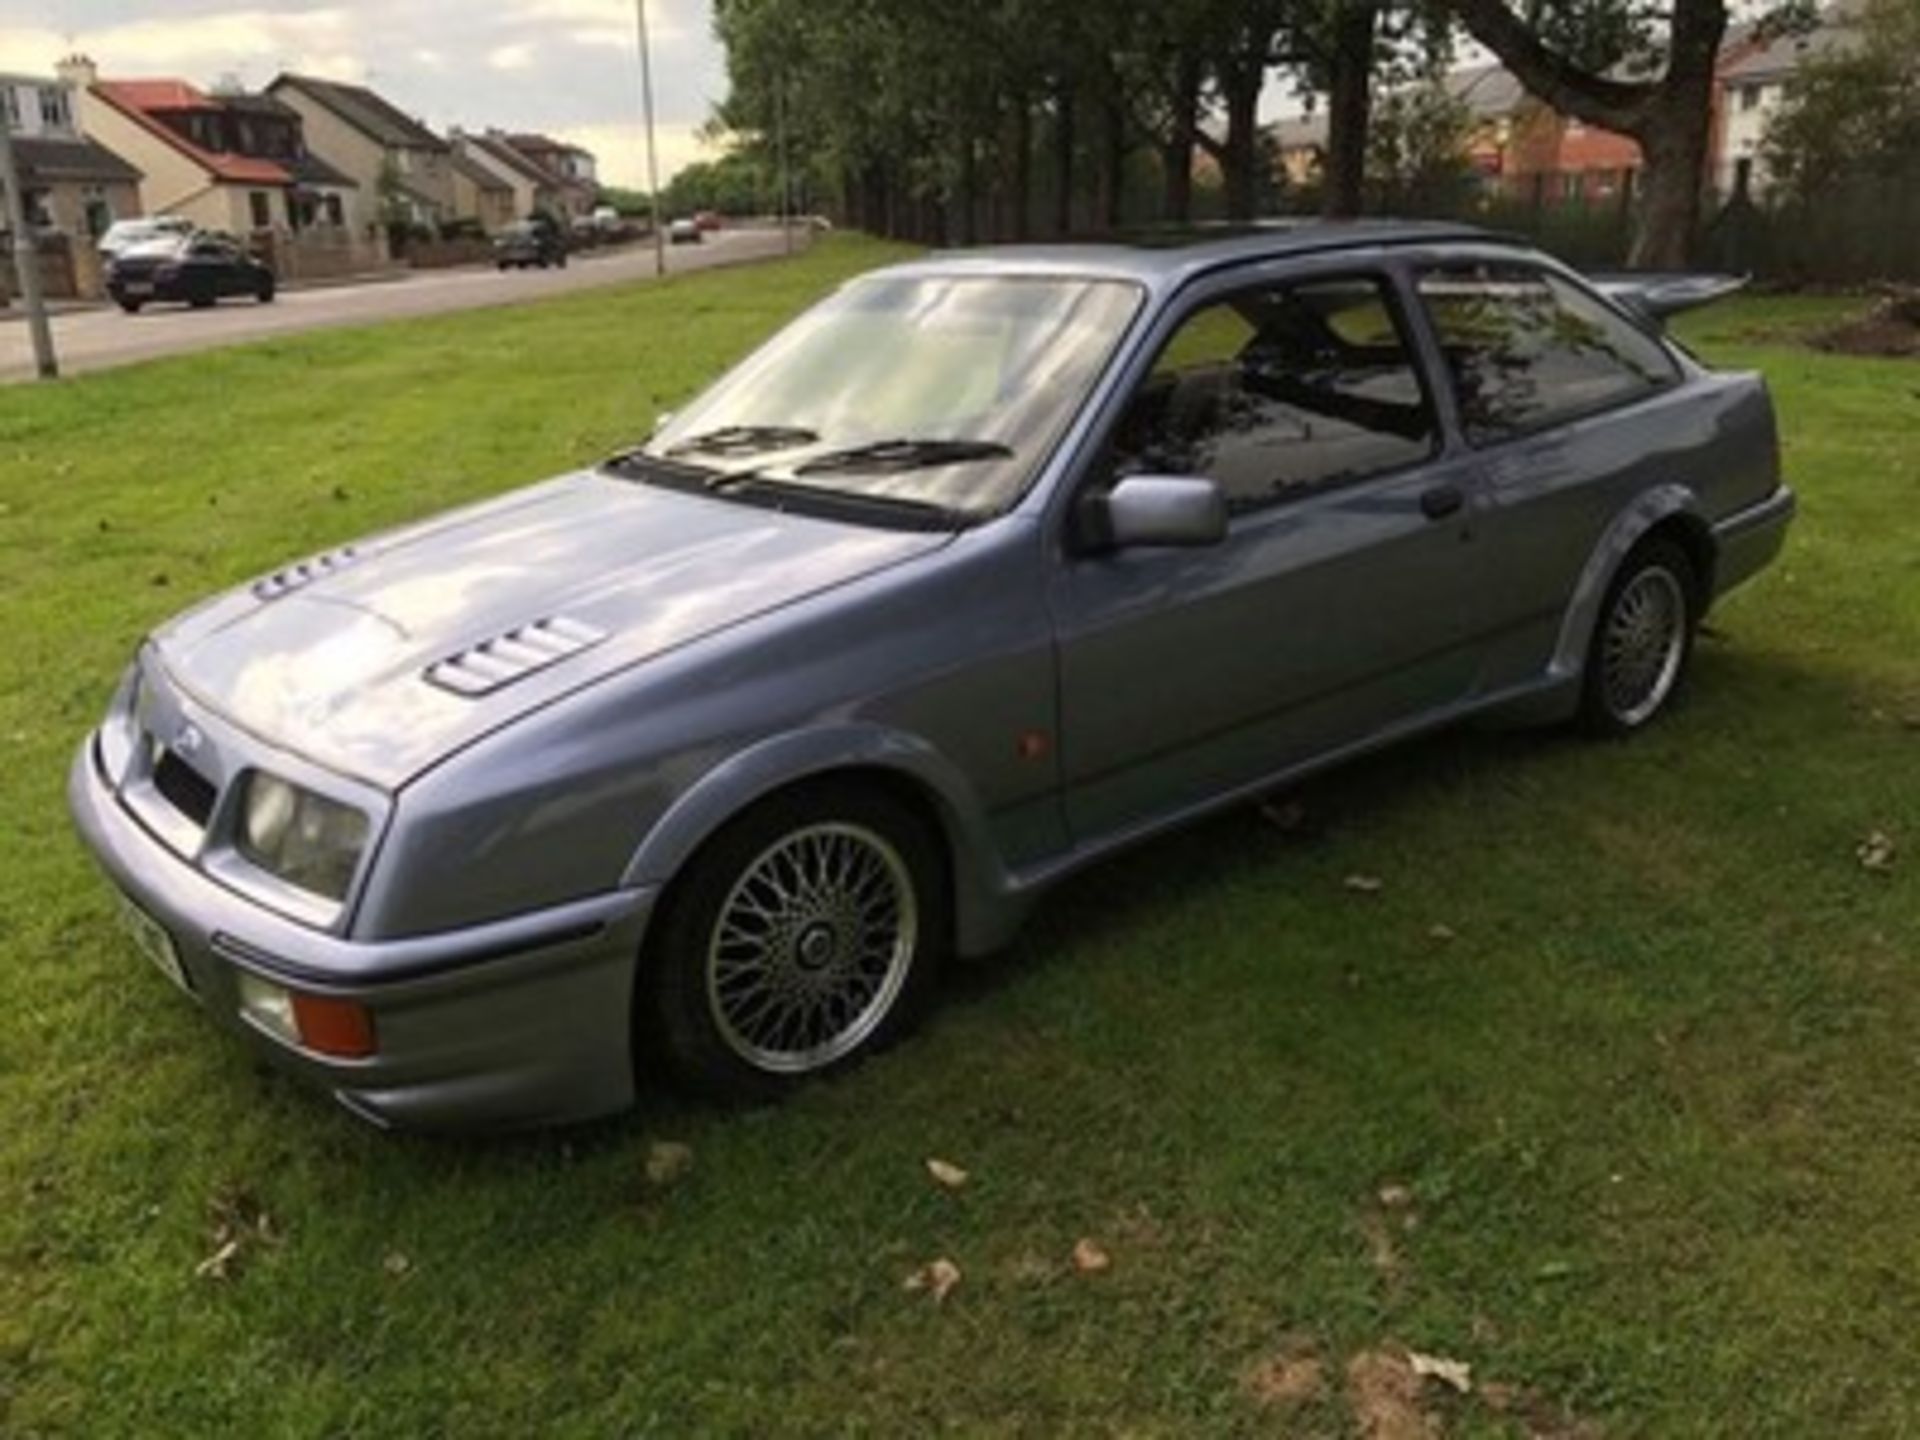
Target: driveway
x=98, y=339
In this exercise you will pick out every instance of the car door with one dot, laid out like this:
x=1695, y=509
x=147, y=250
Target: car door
x=1571, y=410
x=1341, y=602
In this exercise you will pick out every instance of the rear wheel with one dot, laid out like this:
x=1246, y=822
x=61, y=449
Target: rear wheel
x=264, y=291
x=132, y=307
x=1643, y=640
x=805, y=935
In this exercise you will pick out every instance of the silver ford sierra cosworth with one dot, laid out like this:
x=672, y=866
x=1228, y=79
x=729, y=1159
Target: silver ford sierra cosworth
x=699, y=763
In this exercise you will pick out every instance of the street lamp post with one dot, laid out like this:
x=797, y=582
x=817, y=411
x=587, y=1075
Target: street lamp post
x=26, y=257
x=653, y=159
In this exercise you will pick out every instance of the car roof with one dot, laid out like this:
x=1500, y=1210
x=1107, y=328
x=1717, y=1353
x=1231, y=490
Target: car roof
x=1162, y=260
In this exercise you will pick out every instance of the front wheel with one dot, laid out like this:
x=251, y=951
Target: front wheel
x=264, y=291
x=805, y=935
x=1643, y=641
x=132, y=307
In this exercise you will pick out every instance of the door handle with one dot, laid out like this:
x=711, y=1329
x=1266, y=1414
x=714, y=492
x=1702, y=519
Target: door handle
x=1441, y=501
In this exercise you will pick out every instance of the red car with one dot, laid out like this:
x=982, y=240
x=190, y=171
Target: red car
x=708, y=219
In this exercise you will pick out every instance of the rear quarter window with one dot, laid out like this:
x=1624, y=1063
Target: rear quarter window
x=1527, y=349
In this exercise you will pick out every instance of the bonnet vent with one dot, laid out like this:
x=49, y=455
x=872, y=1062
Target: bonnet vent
x=498, y=662
x=305, y=572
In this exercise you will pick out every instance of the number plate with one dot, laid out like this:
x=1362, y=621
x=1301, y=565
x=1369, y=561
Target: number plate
x=138, y=287
x=153, y=942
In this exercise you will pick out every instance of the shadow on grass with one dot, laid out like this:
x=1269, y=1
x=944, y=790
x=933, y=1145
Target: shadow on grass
x=1101, y=906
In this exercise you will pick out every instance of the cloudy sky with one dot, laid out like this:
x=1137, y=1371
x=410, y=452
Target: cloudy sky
x=564, y=66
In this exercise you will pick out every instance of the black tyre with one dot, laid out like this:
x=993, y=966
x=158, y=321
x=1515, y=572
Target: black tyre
x=132, y=307
x=1642, y=641
x=265, y=291
x=805, y=934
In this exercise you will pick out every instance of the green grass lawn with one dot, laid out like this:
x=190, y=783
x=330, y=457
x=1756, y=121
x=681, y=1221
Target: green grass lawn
x=1643, y=1110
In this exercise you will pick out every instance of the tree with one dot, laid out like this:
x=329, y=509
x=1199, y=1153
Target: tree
x=1570, y=54
x=1417, y=150
x=1853, y=113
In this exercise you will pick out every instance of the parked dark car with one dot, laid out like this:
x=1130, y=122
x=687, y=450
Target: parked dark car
x=704, y=759
x=528, y=243
x=197, y=270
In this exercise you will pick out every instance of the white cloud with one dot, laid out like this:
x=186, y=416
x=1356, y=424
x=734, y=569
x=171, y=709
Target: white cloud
x=563, y=66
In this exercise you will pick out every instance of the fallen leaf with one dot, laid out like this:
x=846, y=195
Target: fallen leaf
x=1442, y=933
x=1384, y=1395
x=1457, y=1373
x=946, y=1173
x=1396, y=1197
x=1876, y=853
x=216, y=1265
x=396, y=1264
x=936, y=1277
x=667, y=1161
x=1089, y=1258
x=1293, y=1374
x=1365, y=884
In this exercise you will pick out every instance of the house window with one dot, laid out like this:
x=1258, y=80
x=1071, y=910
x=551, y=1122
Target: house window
x=336, y=213
x=1743, y=175
x=1749, y=96
x=261, y=205
x=1570, y=185
x=99, y=216
x=56, y=112
x=10, y=106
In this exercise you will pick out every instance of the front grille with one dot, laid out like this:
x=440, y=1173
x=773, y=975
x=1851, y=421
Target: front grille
x=184, y=787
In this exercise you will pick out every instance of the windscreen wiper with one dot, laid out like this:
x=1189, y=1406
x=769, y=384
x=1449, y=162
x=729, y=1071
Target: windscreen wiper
x=743, y=440
x=902, y=454
x=887, y=509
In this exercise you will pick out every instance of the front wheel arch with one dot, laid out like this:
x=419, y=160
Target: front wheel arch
x=669, y=1033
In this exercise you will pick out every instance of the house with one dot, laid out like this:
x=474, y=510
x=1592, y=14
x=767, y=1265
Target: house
x=1300, y=148
x=1523, y=148
x=576, y=180
x=534, y=189
x=178, y=137
x=402, y=170
x=70, y=184
x=480, y=195
x=1752, y=88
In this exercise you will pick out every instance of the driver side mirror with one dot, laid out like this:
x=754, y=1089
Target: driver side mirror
x=1183, y=510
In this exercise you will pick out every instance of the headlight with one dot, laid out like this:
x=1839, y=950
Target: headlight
x=302, y=838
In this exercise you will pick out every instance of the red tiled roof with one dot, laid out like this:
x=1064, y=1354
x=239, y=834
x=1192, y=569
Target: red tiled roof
x=158, y=94
x=139, y=99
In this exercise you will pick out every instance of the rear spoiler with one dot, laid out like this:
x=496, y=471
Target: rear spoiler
x=1658, y=295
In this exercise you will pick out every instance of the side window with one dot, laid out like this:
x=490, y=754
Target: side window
x=1526, y=348
x=1277, y=389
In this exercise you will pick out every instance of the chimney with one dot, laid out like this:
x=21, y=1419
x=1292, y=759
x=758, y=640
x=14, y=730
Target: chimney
x=78, y=72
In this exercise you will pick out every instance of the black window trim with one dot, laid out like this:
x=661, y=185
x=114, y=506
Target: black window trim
x=1423, y=265
x=1380, y=272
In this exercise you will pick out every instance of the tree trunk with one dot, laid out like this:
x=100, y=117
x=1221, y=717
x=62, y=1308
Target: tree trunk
x=966, y=201
x=1113, y=158
x=1244, y=81
x=1063, y=147
x=1669, y=217
x=1176, y=154
x=1349, y=108
x=1022, y=169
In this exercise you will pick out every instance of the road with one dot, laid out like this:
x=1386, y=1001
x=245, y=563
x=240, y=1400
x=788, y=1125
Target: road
x=98, y=339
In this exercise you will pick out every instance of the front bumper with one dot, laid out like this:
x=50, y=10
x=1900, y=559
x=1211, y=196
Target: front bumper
x=519, y=1022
